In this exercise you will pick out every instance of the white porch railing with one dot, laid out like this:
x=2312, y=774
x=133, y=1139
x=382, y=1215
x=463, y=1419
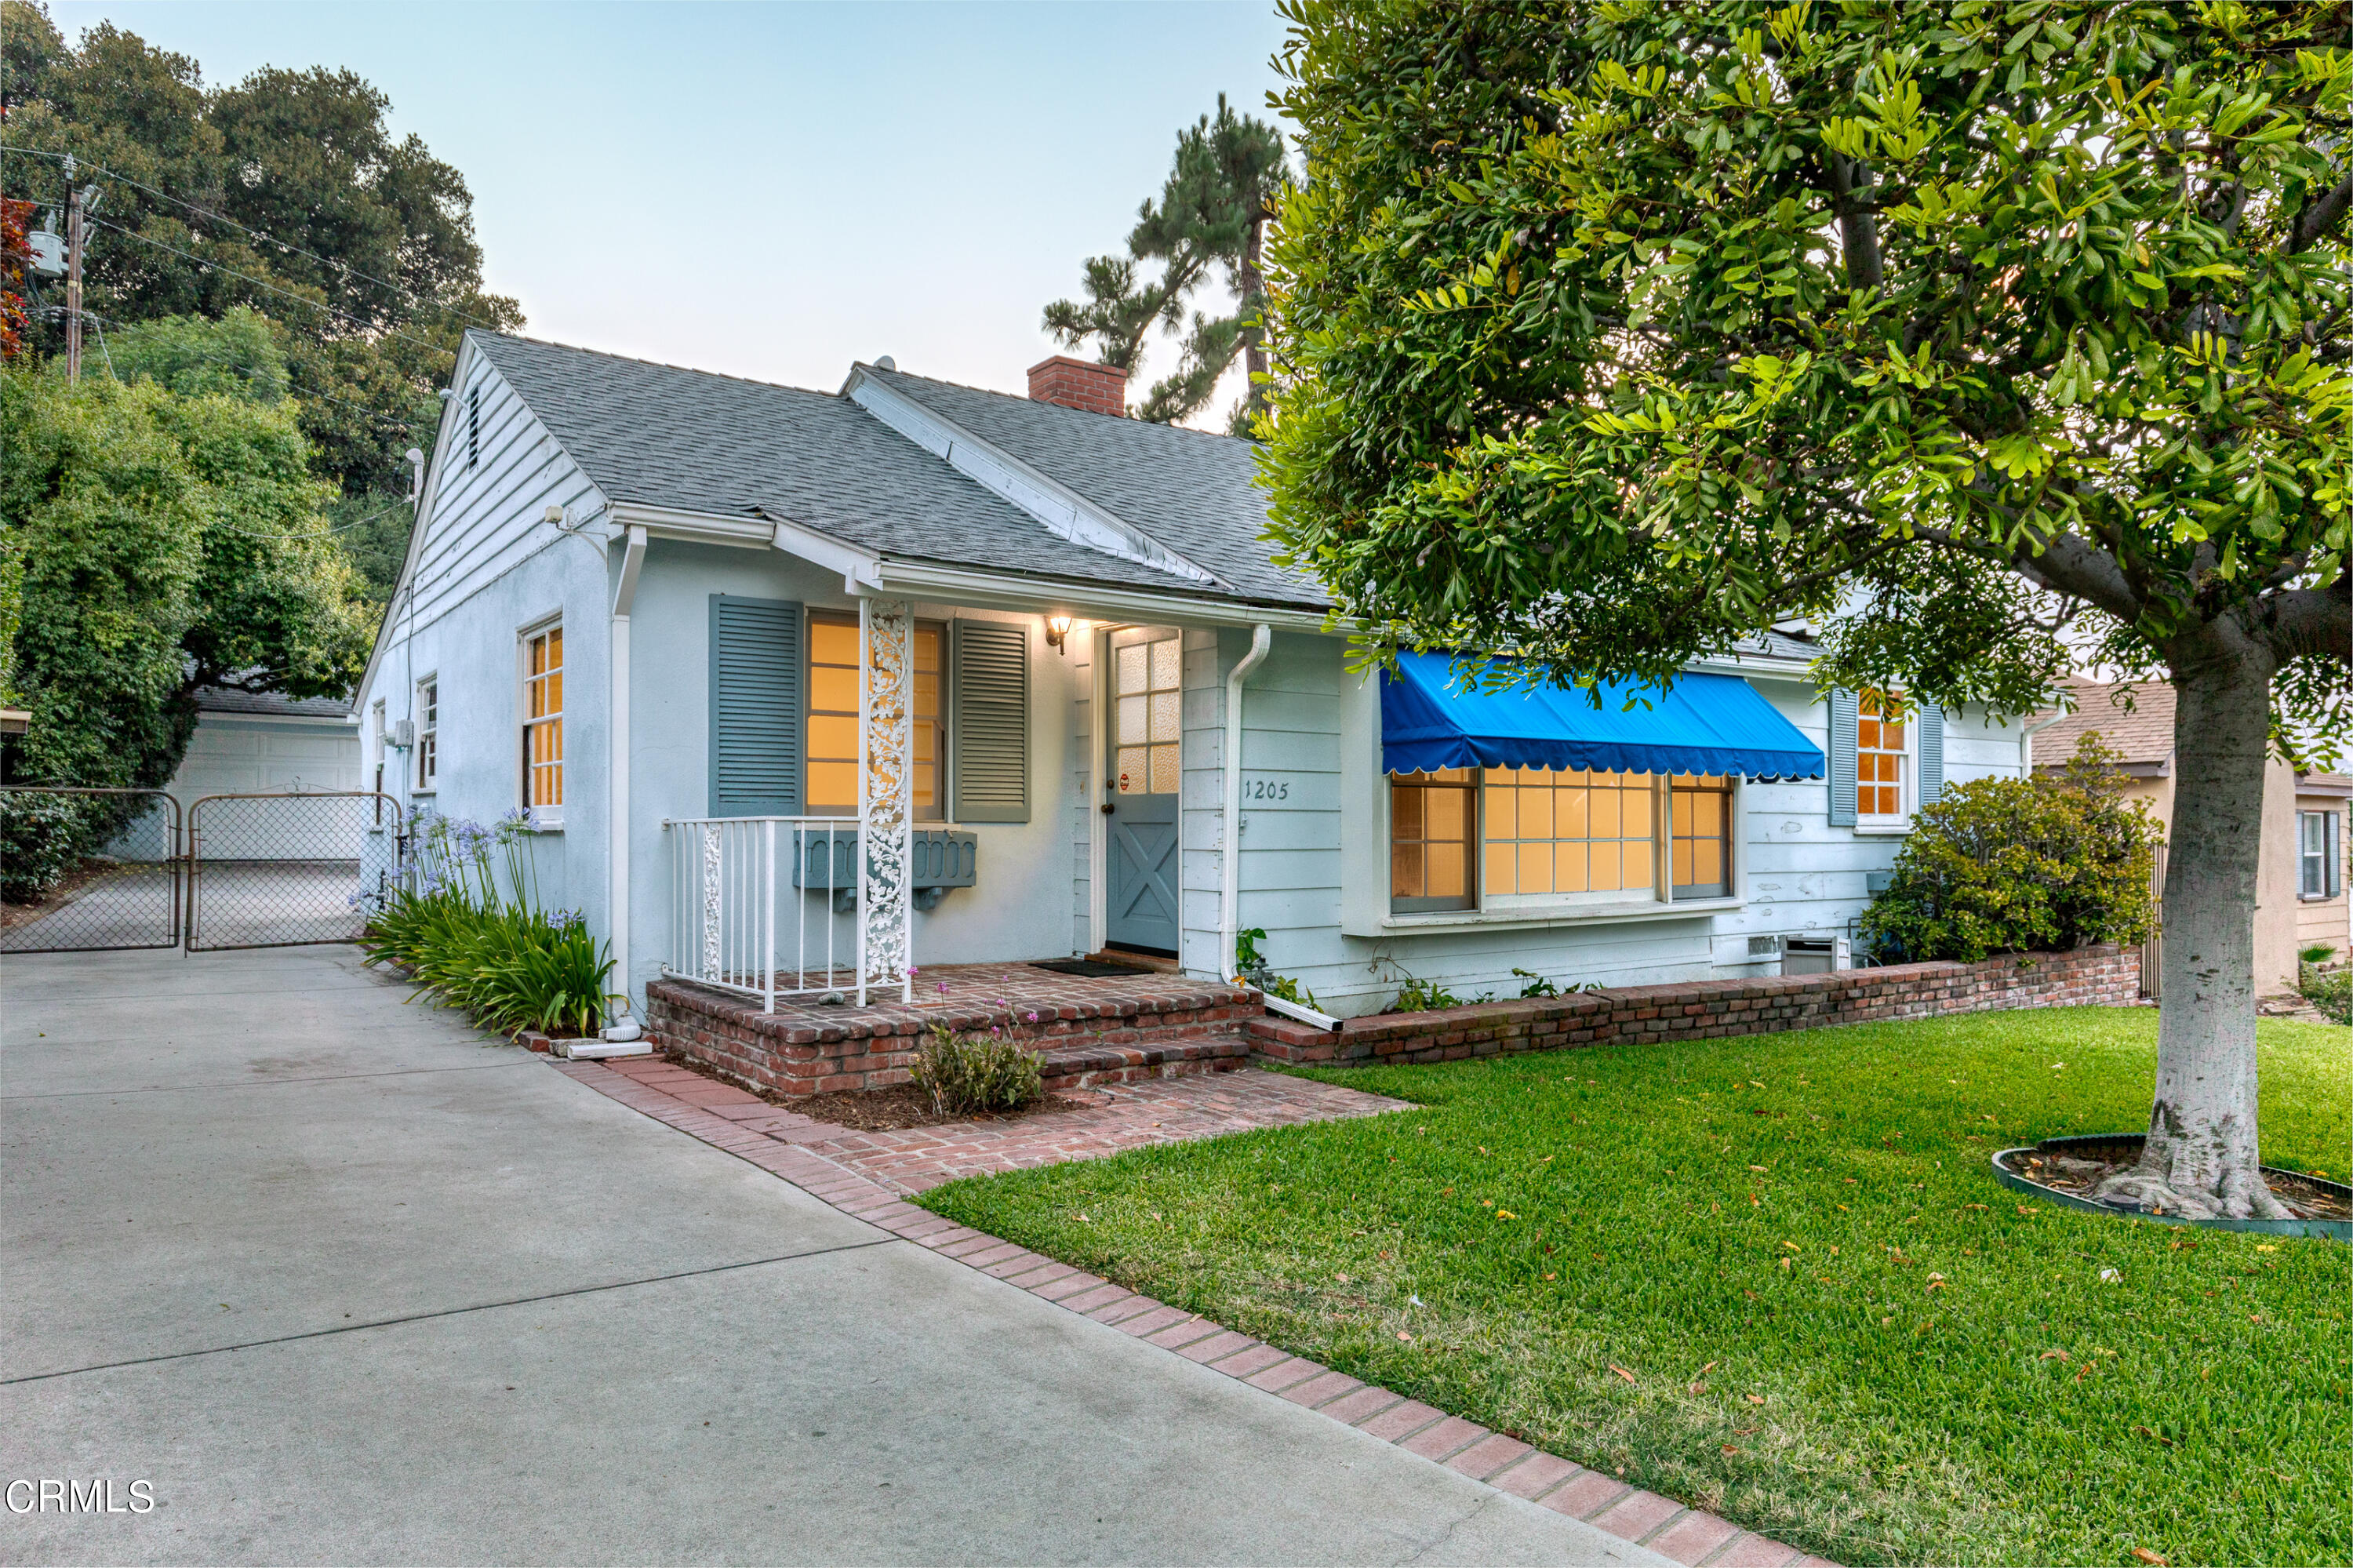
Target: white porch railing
x=742, y=888
x=751, y=906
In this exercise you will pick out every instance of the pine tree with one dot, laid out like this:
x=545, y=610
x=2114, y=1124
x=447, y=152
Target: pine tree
x=1209, y=219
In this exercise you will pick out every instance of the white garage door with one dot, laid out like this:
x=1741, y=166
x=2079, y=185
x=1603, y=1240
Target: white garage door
x=244, y=756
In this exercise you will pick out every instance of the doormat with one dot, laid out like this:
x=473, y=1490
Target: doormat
x=1088, y=968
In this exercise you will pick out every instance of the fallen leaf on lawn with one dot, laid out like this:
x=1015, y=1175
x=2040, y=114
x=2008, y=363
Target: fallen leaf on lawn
x=2054, y=1356
x=1753, y=1202
x=1505, y=1214
x=2265, y=1246
x=1598, y=1258
x=1842, y=1208
x=2025, y=1208
x=1756, y=1168
x=1552, y=1276
x=1756, y=1398
x=1622, y=1372
x=2254, y=1317
x=1729, y=1449
x=1707, y=1369
x=1406, y=1337
x=1785, y=1263
x=1790, y=1245
x=2151, y=1558
x=1698, y=1388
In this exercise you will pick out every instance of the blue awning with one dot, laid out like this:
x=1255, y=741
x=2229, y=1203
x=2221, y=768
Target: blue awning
x=1704, y=724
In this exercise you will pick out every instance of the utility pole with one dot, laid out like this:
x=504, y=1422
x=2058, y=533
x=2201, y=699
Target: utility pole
x=73, y=274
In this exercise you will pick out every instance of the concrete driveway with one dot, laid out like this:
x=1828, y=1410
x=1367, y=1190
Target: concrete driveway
x=339, y=1280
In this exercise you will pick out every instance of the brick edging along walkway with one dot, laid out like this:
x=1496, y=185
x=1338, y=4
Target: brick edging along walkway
x=1663, y=1525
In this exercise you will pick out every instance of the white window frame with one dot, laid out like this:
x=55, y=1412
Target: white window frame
x=1907, y=787
x=427, y=777
x=2311, y=858
x=1527, y=909
x=541, y=816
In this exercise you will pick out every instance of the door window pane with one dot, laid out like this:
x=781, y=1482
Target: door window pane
x=1148, y=725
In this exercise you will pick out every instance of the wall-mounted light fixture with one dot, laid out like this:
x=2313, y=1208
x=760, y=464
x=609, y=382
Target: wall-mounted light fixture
x=1057, y=627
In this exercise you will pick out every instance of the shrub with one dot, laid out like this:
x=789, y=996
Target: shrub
x=967, y=1075
x=42, y=837
x=471, y=943
x=2331, y=994
x=2010, y=865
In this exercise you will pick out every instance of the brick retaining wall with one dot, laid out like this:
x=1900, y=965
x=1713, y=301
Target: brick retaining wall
x=2105, y=975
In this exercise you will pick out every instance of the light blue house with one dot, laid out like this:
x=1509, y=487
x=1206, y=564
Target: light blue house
x=716, y=633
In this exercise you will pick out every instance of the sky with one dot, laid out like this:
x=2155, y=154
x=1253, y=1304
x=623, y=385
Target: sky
x=775, y=191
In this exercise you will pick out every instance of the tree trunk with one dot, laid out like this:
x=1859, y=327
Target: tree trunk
x=1253, y=283
x=2201, y=1161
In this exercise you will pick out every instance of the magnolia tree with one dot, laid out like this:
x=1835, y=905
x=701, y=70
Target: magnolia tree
x=1611, y=332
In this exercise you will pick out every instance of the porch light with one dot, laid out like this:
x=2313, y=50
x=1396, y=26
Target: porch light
x=1057, y=628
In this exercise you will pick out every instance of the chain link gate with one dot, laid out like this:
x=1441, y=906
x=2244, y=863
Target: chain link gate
x=53, y=900
x=286, y=869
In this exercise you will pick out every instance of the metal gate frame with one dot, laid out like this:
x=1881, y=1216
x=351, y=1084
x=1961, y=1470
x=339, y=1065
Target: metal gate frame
x=195, y=857
x=174, y=857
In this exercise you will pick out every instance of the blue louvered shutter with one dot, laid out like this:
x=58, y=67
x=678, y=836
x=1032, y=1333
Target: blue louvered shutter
x=1932, y=752
x=755, y=706
x=1843, y=720
x=988, y=727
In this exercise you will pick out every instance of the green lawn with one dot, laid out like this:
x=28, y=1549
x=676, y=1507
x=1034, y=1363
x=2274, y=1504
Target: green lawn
x=1838, y=1325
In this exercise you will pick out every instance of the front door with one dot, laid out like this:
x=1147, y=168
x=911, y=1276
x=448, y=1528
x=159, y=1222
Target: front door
x=1142, y=772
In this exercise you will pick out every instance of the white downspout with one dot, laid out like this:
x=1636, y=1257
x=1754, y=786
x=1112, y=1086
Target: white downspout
x=1230, y=858
x=2026, y=743
x=616, y=860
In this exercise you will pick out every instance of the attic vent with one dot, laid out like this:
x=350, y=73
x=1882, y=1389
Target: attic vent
x=473, y=426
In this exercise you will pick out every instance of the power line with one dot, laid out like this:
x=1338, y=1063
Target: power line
x=345, y=268
x=264, y=283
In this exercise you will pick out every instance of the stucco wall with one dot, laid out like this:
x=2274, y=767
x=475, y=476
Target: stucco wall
x=471, y=648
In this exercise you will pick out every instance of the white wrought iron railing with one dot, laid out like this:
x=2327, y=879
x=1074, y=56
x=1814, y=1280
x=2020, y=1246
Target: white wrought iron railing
x=754, y=905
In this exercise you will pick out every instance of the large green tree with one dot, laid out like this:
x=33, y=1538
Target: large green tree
x=1614, y=330
x=166, y=543
x=286, y=193
x=1208, y=224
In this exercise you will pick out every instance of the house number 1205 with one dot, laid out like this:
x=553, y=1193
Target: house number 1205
x=1266, y=788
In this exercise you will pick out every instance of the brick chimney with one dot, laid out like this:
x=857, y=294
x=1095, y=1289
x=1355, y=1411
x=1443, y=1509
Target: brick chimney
x=1078, y=384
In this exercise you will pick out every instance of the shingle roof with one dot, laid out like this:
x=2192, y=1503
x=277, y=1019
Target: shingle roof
x=274, y=705
x=699, y=442
x=1195, y=492
x=2141, y=733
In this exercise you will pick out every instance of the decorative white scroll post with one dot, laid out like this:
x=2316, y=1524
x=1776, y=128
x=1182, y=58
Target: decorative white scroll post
x=886, y=796
x=711, y=903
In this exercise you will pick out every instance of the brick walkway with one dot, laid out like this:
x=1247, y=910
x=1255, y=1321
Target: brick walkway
x=1130, y=1115
x=779, y=1142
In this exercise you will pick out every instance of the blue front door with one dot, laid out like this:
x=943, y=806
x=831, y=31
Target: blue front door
x=1144, y=771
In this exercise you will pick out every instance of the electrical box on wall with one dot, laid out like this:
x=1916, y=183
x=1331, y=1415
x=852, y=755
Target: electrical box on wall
x=404, y=734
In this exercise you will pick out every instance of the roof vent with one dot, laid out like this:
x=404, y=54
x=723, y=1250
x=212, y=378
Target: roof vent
x=1080, y=384
x=886, y=362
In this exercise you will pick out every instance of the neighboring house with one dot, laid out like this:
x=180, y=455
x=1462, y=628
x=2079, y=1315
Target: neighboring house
x=2300, y=896
x=635, y=602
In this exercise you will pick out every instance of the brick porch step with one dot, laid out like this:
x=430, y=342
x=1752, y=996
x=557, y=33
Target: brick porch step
x=1171, y=1055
